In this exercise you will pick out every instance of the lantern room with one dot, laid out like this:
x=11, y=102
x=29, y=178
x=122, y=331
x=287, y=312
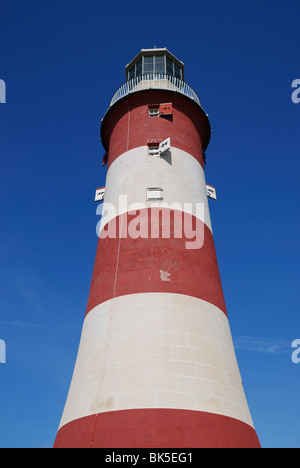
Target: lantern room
x=155, y=62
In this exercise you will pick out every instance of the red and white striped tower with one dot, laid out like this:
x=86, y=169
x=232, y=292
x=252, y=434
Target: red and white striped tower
x=156, y=365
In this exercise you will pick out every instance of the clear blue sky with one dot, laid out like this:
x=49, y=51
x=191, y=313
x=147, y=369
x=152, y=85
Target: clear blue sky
x=62, y=61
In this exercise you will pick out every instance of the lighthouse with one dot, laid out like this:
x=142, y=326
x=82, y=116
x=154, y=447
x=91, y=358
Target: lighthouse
x=156, y=365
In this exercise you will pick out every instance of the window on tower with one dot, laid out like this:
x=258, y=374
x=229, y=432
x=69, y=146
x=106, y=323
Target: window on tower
x=154, y=193
x=154, y=111
x=153, y=150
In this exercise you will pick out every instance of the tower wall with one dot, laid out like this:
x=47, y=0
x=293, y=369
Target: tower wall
x=156, y=365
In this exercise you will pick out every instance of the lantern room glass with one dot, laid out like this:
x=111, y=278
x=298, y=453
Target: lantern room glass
x=155, y=64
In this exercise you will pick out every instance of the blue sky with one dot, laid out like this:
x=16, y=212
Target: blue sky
x=62, y=61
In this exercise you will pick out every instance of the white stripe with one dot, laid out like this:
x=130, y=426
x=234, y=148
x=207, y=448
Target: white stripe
x=179, y=174
x=156, y=350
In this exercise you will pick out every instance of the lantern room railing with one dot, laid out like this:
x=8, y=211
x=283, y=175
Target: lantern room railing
x=155, y=81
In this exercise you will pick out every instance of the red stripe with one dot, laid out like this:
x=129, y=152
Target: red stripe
x=156, y=428
x=130, y=266
x=127, y=125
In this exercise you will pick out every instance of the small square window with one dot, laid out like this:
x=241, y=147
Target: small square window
x=153, y=111
x=153, y=150
x=154, y=193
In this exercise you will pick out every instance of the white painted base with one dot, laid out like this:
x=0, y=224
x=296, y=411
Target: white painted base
x=156, y=350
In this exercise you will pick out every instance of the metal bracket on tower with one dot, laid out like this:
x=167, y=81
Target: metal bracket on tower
x=164, y=146
x=211, y=192
x=99, y=196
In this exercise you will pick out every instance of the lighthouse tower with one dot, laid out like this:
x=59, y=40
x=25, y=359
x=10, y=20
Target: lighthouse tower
x=156, y=365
